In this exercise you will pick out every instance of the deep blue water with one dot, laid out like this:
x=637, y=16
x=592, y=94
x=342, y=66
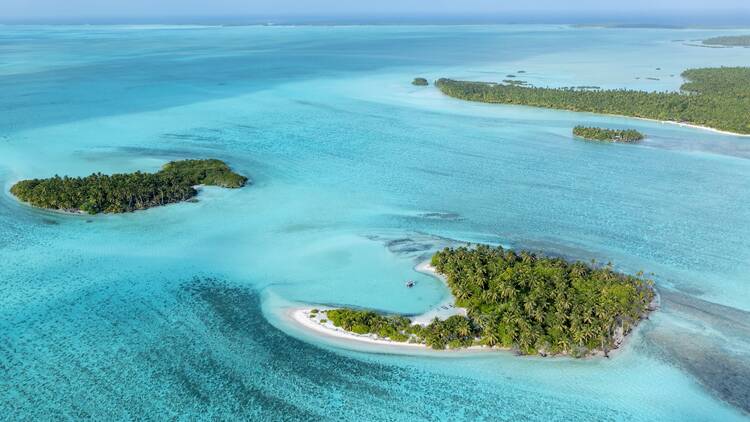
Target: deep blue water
x=357, y=175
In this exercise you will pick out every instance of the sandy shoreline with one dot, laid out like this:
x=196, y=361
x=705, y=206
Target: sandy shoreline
x=646, y=119
x=668, y=122
x=314, y=321
x=692, y=126
x=303, y=317
x=442, y=310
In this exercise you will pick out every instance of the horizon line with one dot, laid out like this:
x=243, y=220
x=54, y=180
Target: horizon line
x=738, y=17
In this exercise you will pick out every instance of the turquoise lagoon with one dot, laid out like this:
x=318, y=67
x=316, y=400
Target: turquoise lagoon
x=179, y=312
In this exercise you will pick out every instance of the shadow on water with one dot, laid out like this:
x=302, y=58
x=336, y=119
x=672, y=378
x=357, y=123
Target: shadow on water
x=234, y=360
x=242, y=342
x=699, y=348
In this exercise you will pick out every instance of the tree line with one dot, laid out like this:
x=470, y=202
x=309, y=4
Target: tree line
x=118, y=193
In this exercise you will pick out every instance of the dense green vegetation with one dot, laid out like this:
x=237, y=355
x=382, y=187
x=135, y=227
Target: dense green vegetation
x=529, y=303
x=420, y=82
x=364, y=322
x=119, y=193
x=540, y=304
x=610, y=135
x=729, y=41
x=715, y=97
x=204, y=172
x=456, y=331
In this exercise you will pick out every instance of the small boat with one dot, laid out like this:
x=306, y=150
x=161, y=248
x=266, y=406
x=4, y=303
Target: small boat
x=410, y=283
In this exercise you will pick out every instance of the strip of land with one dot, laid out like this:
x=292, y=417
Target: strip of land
x=729, y=41
x=317, y=321
x=714, y=98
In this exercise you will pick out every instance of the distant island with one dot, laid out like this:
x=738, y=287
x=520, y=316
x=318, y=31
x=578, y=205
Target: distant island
x=420, y=82
x=717, y=98
x=608, y=135
x=519, y=301
x=514, y=82
x=729, y=41
x=628, y=26
x=119, y=193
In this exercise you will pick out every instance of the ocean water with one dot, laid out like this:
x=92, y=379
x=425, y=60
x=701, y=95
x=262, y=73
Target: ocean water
x=179, y=312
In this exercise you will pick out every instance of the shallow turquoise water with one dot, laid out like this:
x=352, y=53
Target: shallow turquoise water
x=357, y=176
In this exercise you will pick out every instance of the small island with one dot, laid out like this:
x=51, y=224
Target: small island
x=713, y=98
x=514, y=82
x=608, y=135
x=420, y=82
x=729, y=41
x=120, y=193
x=523, y=302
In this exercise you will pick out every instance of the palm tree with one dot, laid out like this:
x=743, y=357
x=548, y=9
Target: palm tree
x=490, y=336
x=464, y=328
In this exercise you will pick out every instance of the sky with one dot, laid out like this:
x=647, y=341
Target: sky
x=553, y=10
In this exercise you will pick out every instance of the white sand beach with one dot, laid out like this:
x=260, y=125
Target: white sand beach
x=442, y=310
x=706, y=128
x=317, y=321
